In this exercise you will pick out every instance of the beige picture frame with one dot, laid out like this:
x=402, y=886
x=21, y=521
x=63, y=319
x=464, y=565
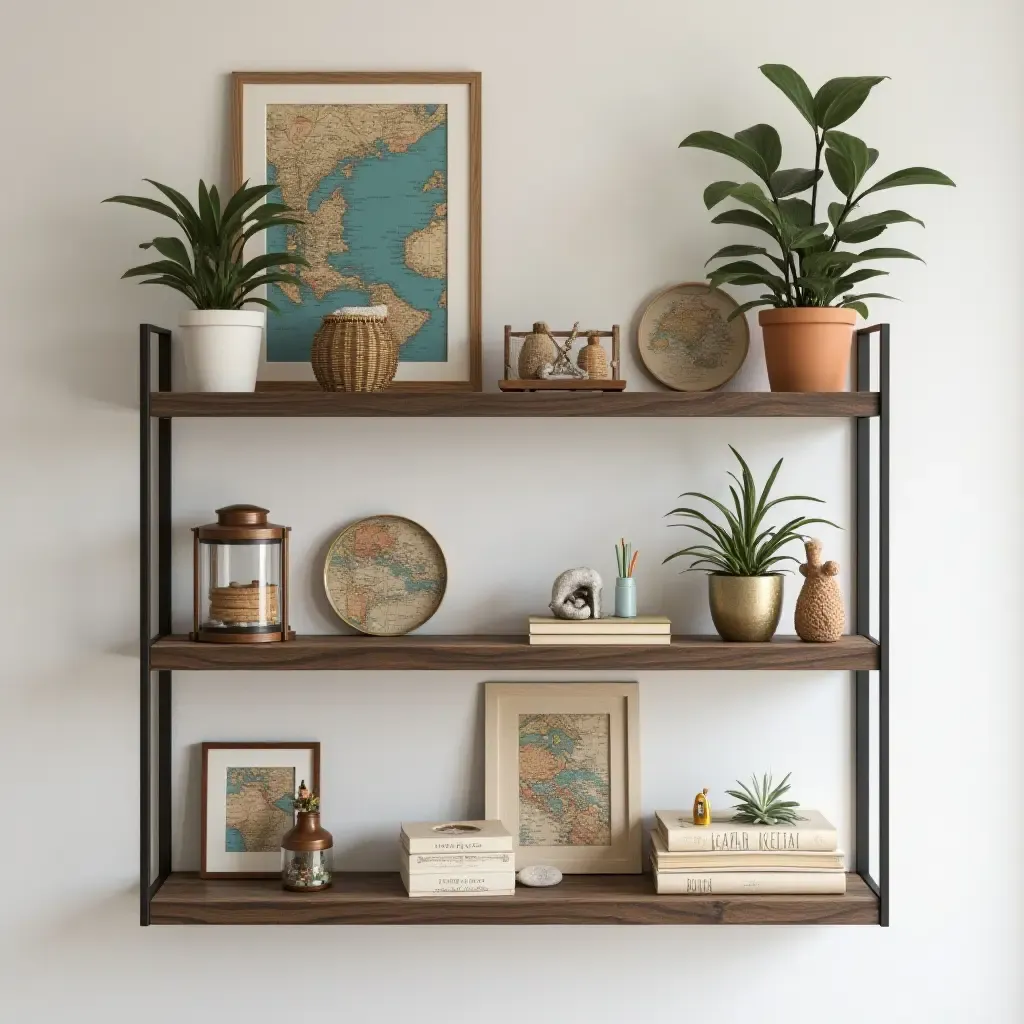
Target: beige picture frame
x=608, y=716
x=460, y=92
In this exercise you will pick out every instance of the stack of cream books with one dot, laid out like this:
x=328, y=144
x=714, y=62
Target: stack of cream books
x=457, y=858
x=641, y=629
x=728, y=857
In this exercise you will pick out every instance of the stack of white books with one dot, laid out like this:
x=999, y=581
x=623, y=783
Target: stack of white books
x=641, y=629
x=729, y=857
x=457, y=858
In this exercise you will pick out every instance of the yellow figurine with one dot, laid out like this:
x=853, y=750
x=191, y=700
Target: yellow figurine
x=702, y=808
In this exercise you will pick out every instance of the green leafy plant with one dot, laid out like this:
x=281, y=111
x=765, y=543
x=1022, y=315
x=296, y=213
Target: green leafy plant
x=763, y=805
x=809, y=269
x=210, y=270
x=741, y=547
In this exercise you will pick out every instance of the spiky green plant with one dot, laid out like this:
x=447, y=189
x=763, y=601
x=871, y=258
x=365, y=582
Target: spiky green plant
x=741, y=547
x=211, y=270
x=764, y=805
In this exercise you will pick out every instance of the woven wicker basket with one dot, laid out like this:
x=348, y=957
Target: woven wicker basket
x=354, y=351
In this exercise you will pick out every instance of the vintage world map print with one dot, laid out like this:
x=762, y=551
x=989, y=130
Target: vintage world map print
x=258, y=808
x=564, y=780
x=371, y=184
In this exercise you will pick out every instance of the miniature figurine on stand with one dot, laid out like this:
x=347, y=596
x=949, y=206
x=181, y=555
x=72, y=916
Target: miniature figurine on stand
x=702, y=808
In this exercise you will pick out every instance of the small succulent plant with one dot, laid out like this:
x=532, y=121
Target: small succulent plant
x=763, y=805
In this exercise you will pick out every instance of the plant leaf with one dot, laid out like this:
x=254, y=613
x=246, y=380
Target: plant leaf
x=764, y=140
x=844, y=283
x=840, y=98
x=842, y=171
x=794, y=87
x=796, y=179
x=153, y=205
x=752, y=304
x=910, y=176
x=716, y=142
x=859, y=307
x=853, y=150
x=752, y=195
x=172, y=248
x=835, y=211
x=738, y=250
x=747, y=219
x=717, y=191
x=869, y=295
x=849, y=231
x=884, y=254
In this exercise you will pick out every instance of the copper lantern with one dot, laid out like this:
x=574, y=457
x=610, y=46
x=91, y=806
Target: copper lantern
x=240, y=589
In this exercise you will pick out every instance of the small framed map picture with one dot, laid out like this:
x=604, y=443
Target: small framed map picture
x=563, y=773
x=384, y=170
x=248, y=790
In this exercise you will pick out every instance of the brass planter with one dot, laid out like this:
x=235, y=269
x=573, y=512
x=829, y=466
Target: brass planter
x=745, y=608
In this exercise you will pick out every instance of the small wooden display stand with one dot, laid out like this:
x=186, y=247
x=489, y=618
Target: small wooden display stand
x=511, y=383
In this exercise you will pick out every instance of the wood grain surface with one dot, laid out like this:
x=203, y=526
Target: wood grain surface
x=511, y=652
x=299, y=402
x=378, y=898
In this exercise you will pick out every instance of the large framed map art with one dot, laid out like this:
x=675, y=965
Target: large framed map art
x=563, y=773
x=384, y=169
x=247, y=808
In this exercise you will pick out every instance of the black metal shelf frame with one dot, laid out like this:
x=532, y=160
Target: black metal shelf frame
x=870, y=476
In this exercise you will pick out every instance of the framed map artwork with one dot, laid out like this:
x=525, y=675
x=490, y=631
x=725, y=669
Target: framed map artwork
x=563, y=773
x=247, y=804
x=384, y=170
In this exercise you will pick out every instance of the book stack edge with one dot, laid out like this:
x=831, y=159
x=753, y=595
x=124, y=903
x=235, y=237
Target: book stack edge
x=731, y=858
x=457, y=858
x=639, y=630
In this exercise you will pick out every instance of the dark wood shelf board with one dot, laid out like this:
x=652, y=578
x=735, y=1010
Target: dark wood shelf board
x=426, y=652
x=280, y=402
x=378, y=898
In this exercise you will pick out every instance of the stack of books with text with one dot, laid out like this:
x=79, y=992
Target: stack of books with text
x=457, y=858
x=730, y=858
x=641, y=629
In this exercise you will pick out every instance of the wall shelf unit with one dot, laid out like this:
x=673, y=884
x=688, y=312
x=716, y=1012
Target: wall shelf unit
x=168, y=897
x=378, y=898
x=483, y=651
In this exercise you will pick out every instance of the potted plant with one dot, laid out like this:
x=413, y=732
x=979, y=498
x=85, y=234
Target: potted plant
x=810, y=283
x=221, y=339
x=744, y=587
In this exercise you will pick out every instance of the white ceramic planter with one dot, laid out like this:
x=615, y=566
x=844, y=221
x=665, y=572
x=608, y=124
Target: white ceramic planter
x=222, y=348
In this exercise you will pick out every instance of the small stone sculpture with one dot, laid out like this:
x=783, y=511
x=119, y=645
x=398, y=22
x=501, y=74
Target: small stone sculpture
x=820, y=617
x=702, y=808
x=576, y=594
x=539, y=875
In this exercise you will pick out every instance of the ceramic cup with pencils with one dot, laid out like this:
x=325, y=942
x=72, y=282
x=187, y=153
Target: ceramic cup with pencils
x=625, y=585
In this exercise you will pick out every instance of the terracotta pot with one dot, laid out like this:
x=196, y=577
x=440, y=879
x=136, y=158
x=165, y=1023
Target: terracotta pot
x=807, y=348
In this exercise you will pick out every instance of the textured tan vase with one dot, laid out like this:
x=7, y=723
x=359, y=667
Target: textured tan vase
x=538, y=349
x=354, y=350
x=745, y=608
x=808, y=348
x=820, y=616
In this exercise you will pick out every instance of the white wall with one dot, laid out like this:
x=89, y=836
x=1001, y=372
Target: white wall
x=588, y=207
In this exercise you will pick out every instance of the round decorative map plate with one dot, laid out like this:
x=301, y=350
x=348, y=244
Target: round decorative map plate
x=385, y=575
x=685, y=340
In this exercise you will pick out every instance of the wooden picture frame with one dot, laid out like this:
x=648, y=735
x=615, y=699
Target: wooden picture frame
x=563, y=773
x=301, y=759
x=449, y=237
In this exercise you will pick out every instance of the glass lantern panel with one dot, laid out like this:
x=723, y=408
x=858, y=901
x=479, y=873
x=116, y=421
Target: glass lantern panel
x=240, y=586
x=308, y=869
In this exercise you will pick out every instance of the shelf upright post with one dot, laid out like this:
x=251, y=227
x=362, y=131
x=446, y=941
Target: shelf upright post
x=162, y=717
x=862, y=620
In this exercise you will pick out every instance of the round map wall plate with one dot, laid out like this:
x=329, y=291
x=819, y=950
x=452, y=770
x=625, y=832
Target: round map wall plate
x=385, y=575
x=686, y=342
